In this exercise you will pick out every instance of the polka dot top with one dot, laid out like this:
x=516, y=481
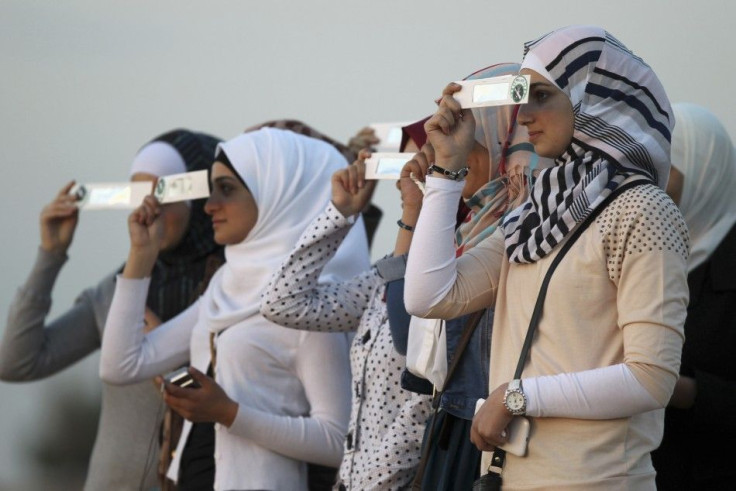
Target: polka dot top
x=640, y=221
x=383, y=443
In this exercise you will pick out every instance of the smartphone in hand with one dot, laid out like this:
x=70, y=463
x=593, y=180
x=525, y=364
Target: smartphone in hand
x=182, y=378
x=518, y=431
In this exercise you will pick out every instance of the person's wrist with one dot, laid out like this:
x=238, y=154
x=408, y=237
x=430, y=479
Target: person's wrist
x=344, y=210
x=404, y=226
x=410, y=214
x=453, y=175
x=452, y=162
x=140, y=263
x=54, y=248
x=230, y=411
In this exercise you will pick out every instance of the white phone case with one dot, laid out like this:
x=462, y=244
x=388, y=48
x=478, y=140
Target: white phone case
x=518, y=433
x=518, y=436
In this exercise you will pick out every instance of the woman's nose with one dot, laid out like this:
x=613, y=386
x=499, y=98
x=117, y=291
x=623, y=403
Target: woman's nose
x=524, y=116
x=210, y=205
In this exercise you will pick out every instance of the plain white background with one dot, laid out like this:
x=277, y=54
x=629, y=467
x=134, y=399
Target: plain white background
x=83, y=84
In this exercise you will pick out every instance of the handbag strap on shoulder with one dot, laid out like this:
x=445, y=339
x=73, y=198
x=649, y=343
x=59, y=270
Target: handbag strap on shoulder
x=537, y=313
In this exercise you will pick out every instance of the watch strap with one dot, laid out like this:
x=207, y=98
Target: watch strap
x=455, y=175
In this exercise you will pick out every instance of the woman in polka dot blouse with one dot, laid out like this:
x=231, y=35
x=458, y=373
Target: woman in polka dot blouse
x=383, y=442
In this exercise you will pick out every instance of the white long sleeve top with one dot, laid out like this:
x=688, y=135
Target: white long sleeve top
x=293, y=398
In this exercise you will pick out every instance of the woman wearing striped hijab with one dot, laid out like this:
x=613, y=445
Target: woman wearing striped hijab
x=604, y=359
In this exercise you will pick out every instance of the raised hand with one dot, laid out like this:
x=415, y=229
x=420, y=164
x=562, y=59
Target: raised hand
x=365, y=139
x=351, y=192
x=59, y=221
x=414, y=170
x=451, y=131
x=146, y=230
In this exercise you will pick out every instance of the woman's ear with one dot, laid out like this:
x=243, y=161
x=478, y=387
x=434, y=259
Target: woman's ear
x=675, y=185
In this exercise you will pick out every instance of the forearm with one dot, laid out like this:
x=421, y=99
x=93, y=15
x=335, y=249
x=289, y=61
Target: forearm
x=32, y=349
x=299, y=437
x=296, y=299
x=140, y=263
x=431, y=268
x=323, y=368
x=437, y=284
x=409, y=217
x=641, y=383
x=128, y=354
x=603, y=393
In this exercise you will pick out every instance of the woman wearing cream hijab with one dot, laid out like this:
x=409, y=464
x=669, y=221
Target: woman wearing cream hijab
x=703, y=406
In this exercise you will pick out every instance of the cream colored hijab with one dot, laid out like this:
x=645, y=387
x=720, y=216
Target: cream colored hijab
x=702, y=150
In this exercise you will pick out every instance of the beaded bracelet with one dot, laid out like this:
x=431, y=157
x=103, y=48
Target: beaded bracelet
x=404, y=226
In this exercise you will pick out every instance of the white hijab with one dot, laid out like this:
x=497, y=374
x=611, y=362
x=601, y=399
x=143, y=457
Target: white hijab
x=158, y=158
x=702, y=150
x=289, y=176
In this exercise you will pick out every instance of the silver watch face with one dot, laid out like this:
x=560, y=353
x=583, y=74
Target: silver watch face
x=515, y=401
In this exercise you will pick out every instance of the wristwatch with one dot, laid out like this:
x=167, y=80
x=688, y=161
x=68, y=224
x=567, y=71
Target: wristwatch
x=455, y=175
x=514, y=398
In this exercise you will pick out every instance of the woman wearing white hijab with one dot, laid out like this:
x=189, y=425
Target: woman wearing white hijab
x=702, y=181
x=278, y=397
x=603, y=360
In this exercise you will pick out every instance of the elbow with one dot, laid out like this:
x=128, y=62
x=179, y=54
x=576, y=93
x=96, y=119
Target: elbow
x=113, y=376
x=416, y=305
x=334, y=454
x=8, y=375
x=18, y=371
x=267, y=310
x=335, y=433
x=270, y=311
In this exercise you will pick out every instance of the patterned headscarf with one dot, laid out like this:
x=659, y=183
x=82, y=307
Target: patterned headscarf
x=512, y=162
x=702, y=150
x=178, y=274
x=623, y=125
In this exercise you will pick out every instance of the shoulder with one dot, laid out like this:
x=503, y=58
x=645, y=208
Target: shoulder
x=644, y=218
x=642, y=222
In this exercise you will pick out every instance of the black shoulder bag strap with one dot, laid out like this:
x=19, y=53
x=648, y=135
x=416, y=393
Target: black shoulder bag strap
x=492, y=480
x=470, y=325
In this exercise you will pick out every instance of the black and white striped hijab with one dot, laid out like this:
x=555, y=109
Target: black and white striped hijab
x=623, y=125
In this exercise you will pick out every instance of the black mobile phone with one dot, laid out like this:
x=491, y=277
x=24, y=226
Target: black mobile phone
x=182, y=378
